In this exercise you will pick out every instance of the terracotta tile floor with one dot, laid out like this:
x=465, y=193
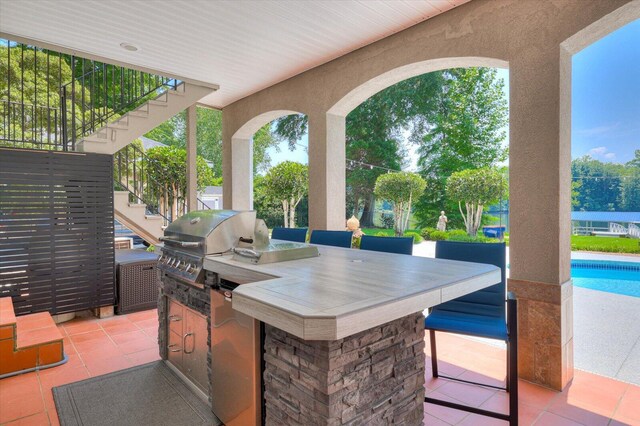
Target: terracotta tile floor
x=98, y=347
x=94, y=347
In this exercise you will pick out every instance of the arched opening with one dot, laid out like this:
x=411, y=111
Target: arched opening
x=401, y=121
x=278, y=172
x=242, y=159
x=601, y=89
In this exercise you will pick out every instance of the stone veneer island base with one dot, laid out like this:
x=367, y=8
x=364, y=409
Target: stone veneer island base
x=374, y=377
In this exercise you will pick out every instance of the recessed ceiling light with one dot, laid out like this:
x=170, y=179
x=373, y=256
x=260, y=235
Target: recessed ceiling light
x=129, y=47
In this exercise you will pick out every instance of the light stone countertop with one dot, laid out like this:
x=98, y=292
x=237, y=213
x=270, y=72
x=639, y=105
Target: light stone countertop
x=345, y=291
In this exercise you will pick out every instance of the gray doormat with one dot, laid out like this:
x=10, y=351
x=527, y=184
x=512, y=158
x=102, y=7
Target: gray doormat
x=149, y=394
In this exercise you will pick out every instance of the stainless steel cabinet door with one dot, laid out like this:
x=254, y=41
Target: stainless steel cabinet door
x=175, y=349
x=196, y=349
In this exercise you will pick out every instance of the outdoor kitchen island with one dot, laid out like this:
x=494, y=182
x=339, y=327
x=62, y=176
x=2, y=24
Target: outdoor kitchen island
x=344, y=332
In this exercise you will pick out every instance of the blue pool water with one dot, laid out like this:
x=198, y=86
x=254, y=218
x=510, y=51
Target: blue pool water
x=609, y=276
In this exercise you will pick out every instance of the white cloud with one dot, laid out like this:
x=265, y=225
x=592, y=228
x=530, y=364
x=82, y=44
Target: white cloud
x=598, y=130
x=602, y=152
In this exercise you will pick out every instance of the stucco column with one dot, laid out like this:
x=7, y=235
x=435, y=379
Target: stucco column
x=192, y=143
x=540, y=250
x=326, y=171
x=241, y=175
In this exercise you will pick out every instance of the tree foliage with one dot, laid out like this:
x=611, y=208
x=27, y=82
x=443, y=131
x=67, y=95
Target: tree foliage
x=374, y=136
x=173, y=132
x=476, y=188
x=464, y=130
x=288, y=182
x=401, y=189
x=32, y=88
x=167, y=174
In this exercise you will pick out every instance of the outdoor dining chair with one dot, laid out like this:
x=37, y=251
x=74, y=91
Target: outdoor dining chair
x=399, y=245
x=482, y=313
x=298, y=235
x=332, y=238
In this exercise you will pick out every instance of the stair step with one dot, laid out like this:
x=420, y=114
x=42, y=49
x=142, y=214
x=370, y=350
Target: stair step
x=137, y=206
x=118, y=125
x=138, y=113
x=36, y=329
x=95, y=139
x=158, y=103
x=175, y=92
x=7, y=314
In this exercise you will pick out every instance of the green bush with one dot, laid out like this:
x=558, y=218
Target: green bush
x=417, y=238
x=438, y=236
x=468, y=239
x=426, y=233
x=382, y=234
x=457, y=233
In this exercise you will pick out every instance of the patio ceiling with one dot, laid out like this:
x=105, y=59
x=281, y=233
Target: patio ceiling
x=243, y=46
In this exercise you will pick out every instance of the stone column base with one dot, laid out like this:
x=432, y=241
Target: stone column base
x=545, y=332
x=373, y=377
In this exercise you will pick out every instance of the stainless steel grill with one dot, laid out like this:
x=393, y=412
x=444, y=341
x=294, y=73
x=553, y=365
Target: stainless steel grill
x=217, y=232
x=197, y=234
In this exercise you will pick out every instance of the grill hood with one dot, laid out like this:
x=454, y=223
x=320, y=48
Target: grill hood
x=207, y=232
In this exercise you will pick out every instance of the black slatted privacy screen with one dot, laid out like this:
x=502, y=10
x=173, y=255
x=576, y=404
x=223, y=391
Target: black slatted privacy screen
x=56, y=230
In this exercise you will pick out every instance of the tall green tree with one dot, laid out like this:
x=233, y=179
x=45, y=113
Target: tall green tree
x=600, y=184
x=168, y=177
x=476, y=188
x=401, y=189
x=464, y=130
x=288, y=182
x=630, y=186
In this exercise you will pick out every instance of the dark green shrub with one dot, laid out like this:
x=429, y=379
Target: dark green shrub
x=417, y=238
x=426, y=232
x=438, y=236
x=457, y=233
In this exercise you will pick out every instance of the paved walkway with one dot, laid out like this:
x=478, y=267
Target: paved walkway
x=606, y=325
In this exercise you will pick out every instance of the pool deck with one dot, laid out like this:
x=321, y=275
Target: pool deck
x=606, y=325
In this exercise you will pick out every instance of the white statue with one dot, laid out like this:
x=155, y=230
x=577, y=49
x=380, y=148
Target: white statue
x=442, y=222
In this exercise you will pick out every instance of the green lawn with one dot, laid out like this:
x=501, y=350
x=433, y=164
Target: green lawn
x=605, y=244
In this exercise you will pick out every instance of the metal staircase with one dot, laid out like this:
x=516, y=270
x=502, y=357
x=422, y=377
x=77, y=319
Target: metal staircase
x=109, y=106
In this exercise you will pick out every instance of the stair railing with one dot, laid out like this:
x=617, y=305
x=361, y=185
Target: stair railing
x=132, y=173
x=102, y=93
x=616, y=228
x=634, y=231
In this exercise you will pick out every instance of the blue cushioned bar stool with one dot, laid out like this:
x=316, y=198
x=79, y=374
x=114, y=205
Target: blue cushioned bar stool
x=482, y=313
x=331, y=238
x=400, y=245
x=298, y=235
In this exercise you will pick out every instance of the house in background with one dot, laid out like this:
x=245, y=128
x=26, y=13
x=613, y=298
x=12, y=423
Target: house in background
x=210, y=198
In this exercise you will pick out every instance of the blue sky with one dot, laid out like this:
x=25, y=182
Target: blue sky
x=605, y=101
x=606, y=97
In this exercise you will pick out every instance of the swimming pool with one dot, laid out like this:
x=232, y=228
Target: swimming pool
x=606, y=275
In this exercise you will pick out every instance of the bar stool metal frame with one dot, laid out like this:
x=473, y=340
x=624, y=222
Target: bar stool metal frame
x=511, y=338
